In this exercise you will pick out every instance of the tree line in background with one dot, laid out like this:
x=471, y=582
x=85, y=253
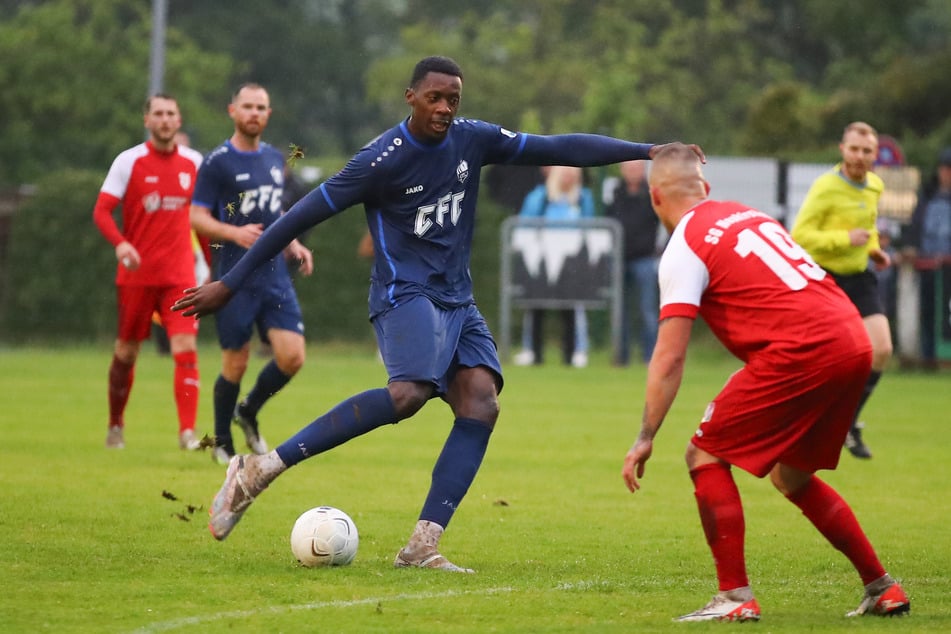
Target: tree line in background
x=771, y=78
x=774, y=78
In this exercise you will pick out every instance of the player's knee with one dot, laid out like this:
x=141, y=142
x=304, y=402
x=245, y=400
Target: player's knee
x=881, y=356
x=409, y=397
x=484, y=409
x=126, y=351
x=291, y=363
x=788, y=480
x=695, y=457
x=234, y=367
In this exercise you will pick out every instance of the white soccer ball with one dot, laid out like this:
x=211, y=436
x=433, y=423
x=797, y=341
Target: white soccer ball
x=324, y=536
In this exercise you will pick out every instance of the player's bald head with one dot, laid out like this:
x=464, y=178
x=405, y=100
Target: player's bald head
x=675, y=173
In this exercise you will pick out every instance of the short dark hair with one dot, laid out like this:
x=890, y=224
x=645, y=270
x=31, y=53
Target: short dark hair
x=158, y=95
x=434, y=64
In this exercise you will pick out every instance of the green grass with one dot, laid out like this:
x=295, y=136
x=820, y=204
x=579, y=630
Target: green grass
x=89, y=544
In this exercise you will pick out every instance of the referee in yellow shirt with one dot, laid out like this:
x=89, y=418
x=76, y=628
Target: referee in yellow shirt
x=836, y=226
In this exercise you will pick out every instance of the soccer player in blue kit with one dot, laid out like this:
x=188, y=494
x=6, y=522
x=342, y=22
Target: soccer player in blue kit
x=238, y=194
x=419, y=183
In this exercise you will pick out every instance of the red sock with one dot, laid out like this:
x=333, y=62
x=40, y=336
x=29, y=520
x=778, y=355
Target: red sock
x=721, y=514
x=186, y=389
x=832, y=515
x=121, y=375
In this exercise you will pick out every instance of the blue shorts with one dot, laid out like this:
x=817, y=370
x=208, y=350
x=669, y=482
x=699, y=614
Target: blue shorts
x=420, y=341
x=268, y=307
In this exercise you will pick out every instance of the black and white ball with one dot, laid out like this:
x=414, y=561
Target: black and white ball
x=324, y=536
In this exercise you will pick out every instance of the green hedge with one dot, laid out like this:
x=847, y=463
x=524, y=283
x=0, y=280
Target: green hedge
x=59, y=271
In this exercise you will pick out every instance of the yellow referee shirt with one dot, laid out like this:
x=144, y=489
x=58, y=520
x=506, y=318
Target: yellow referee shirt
x=833, y=206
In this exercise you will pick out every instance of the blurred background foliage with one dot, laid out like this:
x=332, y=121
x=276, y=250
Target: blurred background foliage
x=770, y=78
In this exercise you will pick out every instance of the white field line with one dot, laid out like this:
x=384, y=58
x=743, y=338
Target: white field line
x=174, y=624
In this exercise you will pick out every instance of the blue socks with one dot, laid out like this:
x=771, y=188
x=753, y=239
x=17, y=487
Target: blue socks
x=353, y=417
x=452, y=475
x=455, y=469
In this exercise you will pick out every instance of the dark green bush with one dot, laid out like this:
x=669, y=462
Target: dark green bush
x=59, y=272
x=59, y=269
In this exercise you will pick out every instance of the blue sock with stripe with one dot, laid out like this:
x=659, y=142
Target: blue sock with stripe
x=455, y=469
x=353, y=417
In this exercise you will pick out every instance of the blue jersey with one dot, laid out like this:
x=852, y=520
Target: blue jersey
x=420, y=202
x=243, y=188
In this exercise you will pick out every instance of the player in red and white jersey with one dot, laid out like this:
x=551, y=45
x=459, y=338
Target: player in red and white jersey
x=153, y=182
x=787, y=411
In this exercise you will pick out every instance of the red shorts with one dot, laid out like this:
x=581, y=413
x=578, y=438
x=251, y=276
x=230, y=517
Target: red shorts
x=764, y=416
x=136, y=305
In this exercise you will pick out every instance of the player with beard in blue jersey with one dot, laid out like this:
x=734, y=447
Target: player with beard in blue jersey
x=238, y=194
x=419, y=183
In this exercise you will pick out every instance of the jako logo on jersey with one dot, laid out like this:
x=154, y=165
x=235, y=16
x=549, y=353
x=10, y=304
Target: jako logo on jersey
x=462, y=173
x=277, y=175
x=413, y=190
x=185, y=180
x=449, y=204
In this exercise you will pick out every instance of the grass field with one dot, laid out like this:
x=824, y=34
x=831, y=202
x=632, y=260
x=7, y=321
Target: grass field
x=88, y=543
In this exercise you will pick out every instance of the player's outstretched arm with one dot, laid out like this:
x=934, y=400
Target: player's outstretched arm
x=203, y=300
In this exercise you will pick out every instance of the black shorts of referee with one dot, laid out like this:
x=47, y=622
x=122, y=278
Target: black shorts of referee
x=862, y=289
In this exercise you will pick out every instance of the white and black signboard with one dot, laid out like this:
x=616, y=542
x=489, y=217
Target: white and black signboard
x=552, y=265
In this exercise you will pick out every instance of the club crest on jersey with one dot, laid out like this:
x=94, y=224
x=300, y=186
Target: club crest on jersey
x=277, y=174
x=185, y=180
x=152, y=202
x=462, y=171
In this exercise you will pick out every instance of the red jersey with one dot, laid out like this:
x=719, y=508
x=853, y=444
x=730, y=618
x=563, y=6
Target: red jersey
x=155, y=190
x=759, y=292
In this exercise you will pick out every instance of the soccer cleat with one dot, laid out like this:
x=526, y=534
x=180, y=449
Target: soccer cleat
x=432, y=559
x=114, y=438
x=242, y=484
x=892, y=601
x=221, y=455
x=722, y=608
x=187, y=441
x=853, y=442
x=249, y=425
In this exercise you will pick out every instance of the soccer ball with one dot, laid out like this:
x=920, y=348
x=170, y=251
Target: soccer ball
x=324, y=536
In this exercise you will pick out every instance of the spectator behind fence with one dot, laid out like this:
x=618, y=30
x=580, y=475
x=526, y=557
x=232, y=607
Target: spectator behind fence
x=630, y=204
x=561, y=198
x=931, y=240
